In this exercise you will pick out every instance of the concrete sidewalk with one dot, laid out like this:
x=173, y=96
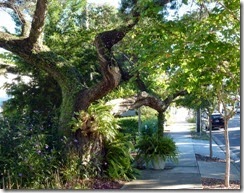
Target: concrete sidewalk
x=187, y=173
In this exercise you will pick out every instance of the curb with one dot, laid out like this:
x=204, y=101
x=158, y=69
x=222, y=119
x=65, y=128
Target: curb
x=233, y=156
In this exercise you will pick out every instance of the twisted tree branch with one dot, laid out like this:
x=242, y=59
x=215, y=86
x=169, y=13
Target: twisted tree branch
x=109, y=68
x=38, y=22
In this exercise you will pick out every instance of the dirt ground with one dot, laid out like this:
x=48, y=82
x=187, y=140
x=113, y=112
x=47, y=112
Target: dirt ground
x=211, y=183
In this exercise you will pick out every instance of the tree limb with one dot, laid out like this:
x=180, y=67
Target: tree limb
x=109, y=68
x=120, y=106
x=31, y=38
x=38, y=22
x=170, y=98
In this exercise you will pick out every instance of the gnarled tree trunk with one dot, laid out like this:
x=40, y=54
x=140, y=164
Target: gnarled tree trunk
x=146, y=99
x=30, y=47
x=161, y=121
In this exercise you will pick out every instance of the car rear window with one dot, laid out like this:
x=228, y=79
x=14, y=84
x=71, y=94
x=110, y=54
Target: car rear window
x=216, y=116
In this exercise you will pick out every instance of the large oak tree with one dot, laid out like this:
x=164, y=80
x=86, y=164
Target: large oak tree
x=30, y=46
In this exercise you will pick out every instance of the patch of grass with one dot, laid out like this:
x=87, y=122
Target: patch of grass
x=191, y=119
x=202, y=135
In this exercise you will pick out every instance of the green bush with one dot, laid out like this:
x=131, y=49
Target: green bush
x=33, y=157
x=118, y=159
x=29, y=154
x=151, y=145
x=116, y=163
x=148, y=112
x=129, y=125
x=151, y=122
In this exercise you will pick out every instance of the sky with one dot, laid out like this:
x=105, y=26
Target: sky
x=5, y=18
x=3, y=94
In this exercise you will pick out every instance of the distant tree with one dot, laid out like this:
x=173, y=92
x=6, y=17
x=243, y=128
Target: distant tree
x=216, y=60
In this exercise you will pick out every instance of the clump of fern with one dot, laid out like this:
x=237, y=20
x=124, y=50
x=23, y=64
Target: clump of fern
x=99, y=123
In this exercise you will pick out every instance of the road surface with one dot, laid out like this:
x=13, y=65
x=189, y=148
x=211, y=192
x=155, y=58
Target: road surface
x=234, y=137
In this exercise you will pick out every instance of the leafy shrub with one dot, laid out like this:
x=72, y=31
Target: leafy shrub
x=151, y=145
x=148, y=112
x=33, y=157
x=103, y=126
x=98, y=119
x=29, y=154
x=118, y=159
x=129, y=125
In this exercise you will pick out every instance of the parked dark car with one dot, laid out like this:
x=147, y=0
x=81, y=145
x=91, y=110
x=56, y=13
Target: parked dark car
x=216, y=119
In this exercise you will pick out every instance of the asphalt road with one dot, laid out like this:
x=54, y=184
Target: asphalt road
x=234, y=135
